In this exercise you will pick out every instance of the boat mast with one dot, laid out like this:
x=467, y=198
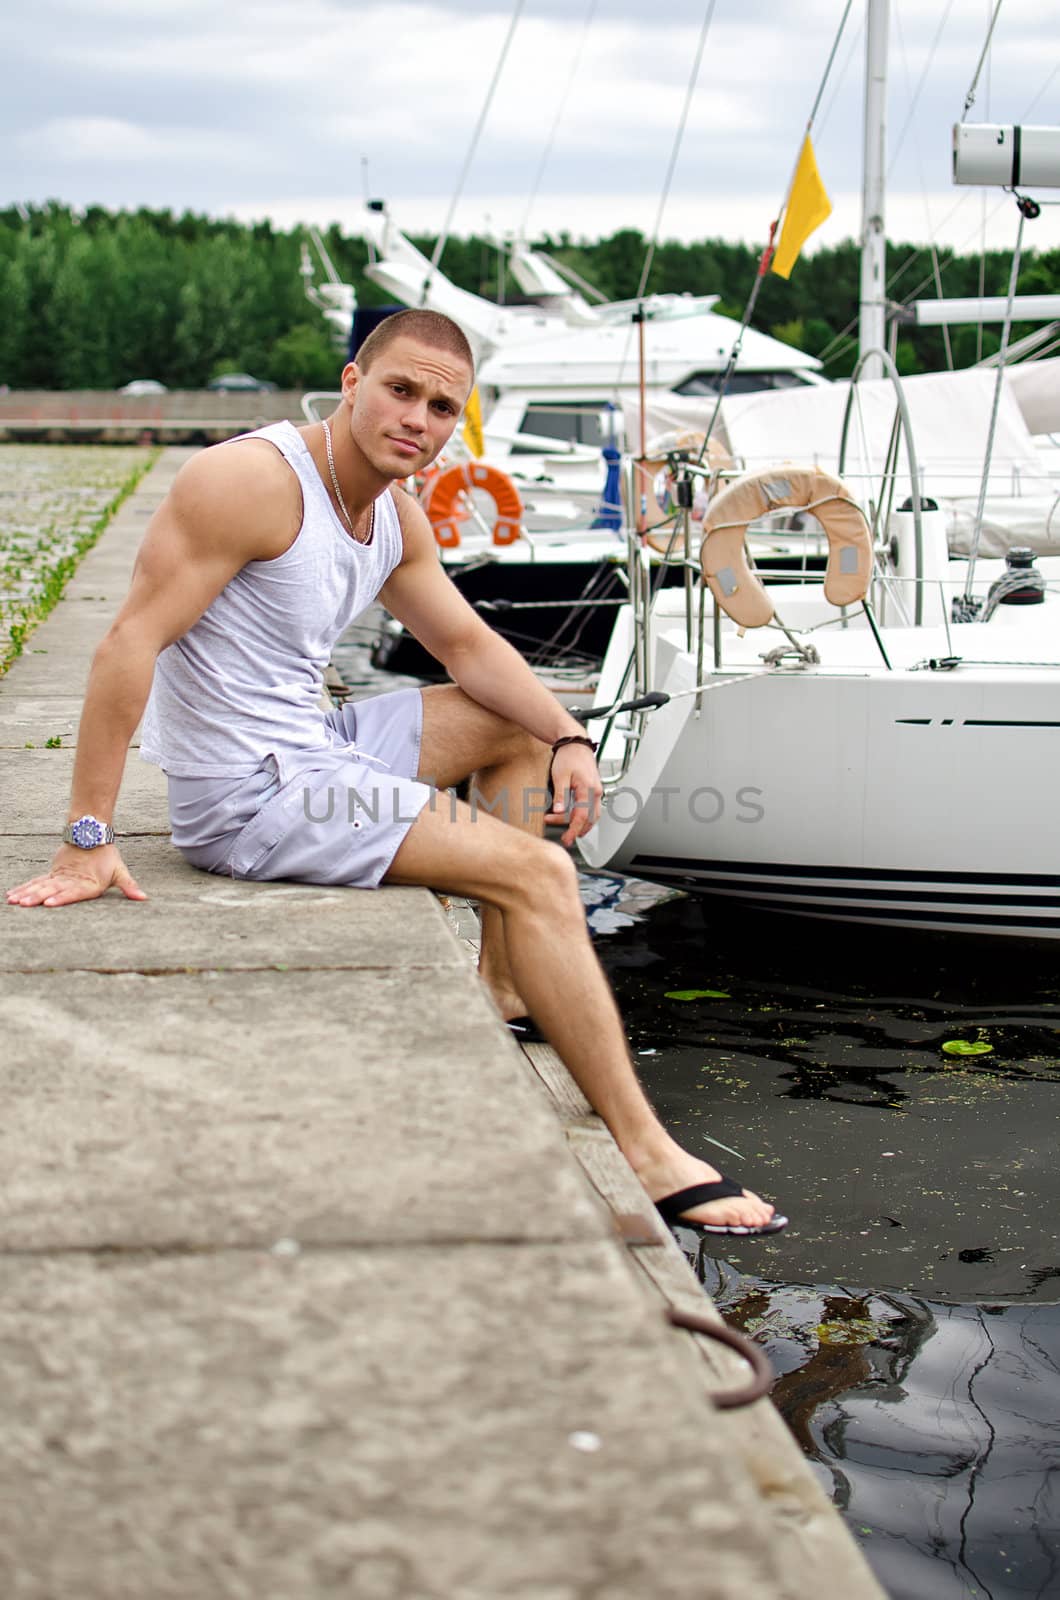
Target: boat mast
x=872, y=310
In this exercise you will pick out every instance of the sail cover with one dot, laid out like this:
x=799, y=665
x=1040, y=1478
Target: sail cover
x=950, y=413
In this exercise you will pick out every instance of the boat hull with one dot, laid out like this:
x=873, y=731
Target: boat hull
x=568, y=620
x=907, y=799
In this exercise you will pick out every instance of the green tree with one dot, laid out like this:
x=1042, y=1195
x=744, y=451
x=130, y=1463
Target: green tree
x=305, y=358
x=793, y=333
x=14, y=300
x=106, y=296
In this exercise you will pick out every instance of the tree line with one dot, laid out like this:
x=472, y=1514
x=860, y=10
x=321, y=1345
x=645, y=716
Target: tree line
x=93, y=299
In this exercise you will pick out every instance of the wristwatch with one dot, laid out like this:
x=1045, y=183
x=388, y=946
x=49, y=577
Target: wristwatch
x=88, y=833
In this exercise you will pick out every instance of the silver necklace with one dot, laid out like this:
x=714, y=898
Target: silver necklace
x=338, y=492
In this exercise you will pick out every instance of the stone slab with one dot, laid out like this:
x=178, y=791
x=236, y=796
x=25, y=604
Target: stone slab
x=385, y=1425
x=195, y=920
x=69, y=634
x=239, y=1108
x=105, y=570
x=52, y=664
x=35, y=718
x=35, y=793
x=40, y=676
x=106, y=579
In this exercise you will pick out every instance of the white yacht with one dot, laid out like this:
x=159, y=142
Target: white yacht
x=553, y=377
x=878, y=741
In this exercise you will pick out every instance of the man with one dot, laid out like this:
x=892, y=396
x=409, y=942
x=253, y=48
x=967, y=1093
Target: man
x=263, y=552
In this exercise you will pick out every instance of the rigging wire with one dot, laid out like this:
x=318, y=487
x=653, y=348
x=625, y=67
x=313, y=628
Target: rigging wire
x=650, y=254
x=1006, y=329
x=443, y=237
x=557, y=119
x=913, y=103
x=969, y=98
x=985, y=57
x=918, y=91
x=936, y=270
x=840, y=342
x=767, y=253
x=828, y=66
x=675, y=152
x=1041, y=91
x=851, y=53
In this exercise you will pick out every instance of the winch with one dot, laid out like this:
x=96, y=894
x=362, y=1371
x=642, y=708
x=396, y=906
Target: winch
x=1021, y=584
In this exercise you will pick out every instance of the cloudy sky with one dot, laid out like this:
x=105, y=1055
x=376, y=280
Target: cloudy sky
x=291, y=108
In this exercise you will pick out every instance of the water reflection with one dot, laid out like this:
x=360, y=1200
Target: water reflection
x=928, y=1406
x=933, y=1426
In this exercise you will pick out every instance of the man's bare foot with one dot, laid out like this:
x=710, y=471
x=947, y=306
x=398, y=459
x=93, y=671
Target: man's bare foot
x=667, y=1171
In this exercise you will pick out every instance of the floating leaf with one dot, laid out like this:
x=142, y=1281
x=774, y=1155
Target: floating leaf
x=697, y=994
x=967, y=1047
x=855, y=1330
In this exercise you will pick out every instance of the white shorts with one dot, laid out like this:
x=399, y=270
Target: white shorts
x=334, y=817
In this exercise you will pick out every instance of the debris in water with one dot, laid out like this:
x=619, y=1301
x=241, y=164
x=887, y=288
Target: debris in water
x=698, y=994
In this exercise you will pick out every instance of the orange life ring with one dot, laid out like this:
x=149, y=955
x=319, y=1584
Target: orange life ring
x=443, y=502
x=723, y=559
x=420, y=483
x=423, y=483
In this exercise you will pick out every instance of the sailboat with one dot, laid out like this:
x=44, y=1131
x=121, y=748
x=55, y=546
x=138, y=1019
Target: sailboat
x=878, y=743
x=553, y=375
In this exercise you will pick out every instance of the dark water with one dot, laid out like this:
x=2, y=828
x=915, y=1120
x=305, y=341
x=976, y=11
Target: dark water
x=910, y=1310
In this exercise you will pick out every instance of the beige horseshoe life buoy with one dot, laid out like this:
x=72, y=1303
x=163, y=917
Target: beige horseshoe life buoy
x=723, y=558
x=443, y=502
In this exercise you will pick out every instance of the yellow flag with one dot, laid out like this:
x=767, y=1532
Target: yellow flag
x=473, y=423
x=808, y=206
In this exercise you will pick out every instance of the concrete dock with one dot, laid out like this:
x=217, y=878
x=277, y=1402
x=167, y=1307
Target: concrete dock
x=311, y=1282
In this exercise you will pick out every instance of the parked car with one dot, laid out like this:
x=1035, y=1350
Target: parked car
x=143, y=386
x=240, y=382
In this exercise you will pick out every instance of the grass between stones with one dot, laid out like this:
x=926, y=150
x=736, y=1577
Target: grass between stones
x=55, y=501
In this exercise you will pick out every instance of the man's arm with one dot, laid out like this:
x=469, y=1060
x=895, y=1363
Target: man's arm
x=225, y=508
x=422, y=597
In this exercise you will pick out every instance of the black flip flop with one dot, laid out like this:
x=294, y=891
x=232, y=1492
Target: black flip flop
x=526, y=1030
x=672, y=1206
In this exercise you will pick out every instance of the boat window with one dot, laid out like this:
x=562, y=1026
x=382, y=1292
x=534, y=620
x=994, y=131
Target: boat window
x=575, y=420
x=739, y=383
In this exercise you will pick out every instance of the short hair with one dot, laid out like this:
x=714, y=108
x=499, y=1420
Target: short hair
x=429, y=327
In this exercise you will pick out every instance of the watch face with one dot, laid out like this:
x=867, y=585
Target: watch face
x=87, y=833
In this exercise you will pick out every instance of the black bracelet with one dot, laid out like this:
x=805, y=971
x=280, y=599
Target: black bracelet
x=569, y=738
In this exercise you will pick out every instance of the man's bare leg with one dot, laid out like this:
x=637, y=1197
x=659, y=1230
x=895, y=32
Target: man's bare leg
x=508, y=770
x=534, y=887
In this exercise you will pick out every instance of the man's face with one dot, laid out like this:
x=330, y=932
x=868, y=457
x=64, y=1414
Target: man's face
x=404, y=408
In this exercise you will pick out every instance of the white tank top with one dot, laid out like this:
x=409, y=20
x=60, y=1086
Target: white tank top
x=245, y=681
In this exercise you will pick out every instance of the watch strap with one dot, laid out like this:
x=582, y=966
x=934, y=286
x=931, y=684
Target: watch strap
x=88, y=833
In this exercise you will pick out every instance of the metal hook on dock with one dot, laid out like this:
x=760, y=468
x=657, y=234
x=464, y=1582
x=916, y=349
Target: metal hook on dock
x=762, y=1373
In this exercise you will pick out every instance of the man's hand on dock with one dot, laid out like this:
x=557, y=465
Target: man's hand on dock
x=77, y=875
